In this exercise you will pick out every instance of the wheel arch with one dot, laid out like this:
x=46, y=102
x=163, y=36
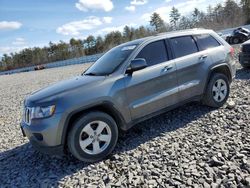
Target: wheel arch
x=223, y=69
x=106, y=107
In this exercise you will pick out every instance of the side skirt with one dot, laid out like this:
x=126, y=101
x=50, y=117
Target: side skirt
x=164, y=110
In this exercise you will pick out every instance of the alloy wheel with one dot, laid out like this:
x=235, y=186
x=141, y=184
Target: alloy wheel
x=220, y=90
x=95, y=137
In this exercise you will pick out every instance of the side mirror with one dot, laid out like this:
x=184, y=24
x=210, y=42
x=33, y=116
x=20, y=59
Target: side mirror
x=136, y=64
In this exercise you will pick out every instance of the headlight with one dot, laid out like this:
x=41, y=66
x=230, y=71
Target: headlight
x=42, y=112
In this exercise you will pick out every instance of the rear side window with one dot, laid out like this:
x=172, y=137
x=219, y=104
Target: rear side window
x=154, y=53
x=206, y=41
x=183, y=46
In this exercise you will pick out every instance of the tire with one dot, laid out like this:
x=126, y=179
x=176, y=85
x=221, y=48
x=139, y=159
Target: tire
x=244, y=39
x=231, y=40
x=88, y=130
x=217, y=91
x=236, y=41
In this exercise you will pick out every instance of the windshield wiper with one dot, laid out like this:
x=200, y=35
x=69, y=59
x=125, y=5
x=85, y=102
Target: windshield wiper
x=93, y=74
x=90, y=74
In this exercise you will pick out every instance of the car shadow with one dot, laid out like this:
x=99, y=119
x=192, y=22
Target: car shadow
x=22, y=165
x=161, y=125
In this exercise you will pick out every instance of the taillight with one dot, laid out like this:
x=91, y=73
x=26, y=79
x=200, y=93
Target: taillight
x=232, y=51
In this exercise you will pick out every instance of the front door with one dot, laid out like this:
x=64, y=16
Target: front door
x=155, y=87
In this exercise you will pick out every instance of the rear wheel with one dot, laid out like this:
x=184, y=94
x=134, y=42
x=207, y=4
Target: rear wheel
x=93, y=137
x=217, y=91
x=236, y=41
x=230, y=40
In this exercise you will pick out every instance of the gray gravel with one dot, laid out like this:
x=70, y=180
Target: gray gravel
x=192, y=146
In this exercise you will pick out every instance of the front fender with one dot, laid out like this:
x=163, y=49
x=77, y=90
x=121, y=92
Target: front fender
x=106, y=106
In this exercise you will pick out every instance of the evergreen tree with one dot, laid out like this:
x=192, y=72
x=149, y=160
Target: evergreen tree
x=185, y=23
x=196, y=17
x=174, y=17
x=127, y=33
x=99, y=45
x=246, y=9
x=157, y=22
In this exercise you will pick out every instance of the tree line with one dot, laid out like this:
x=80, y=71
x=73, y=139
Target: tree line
x=222, y=16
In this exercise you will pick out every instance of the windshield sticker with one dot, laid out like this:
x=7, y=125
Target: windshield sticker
x=128, y=48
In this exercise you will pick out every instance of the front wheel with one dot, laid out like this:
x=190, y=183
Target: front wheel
x=217, y=91
x=93, y=137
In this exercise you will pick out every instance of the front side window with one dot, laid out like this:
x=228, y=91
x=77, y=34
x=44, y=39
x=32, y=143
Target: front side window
x=206, y=41
x=154, y=53
x=183, y=46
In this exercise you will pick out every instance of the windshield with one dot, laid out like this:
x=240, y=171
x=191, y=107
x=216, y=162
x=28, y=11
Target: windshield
x=110, y=61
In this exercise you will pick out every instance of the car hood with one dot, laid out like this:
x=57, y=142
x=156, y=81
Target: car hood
x=62, y=87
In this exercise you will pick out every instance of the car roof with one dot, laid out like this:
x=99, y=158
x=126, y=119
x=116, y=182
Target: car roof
x=167, y=35
x=184, y=32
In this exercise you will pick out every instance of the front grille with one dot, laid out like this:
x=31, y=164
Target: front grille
x=27, y=115
x=245, y=56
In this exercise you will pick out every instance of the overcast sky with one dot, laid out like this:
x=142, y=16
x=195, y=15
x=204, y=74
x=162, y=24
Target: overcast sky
x=29, y=23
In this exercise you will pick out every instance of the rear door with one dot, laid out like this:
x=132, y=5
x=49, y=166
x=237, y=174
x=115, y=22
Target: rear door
x=210, y=46
x=191, y=65
x=154, y=87
x=214, y=50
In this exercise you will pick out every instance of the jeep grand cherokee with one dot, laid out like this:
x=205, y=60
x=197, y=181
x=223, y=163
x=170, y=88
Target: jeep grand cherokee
x=130, y=83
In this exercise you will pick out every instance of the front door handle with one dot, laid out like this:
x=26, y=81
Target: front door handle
x=203, y=57
x=167, y=68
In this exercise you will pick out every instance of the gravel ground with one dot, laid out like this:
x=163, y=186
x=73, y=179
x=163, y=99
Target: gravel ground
x=192, y=146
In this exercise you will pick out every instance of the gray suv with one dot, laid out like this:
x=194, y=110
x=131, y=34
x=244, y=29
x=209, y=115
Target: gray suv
x=130, y=83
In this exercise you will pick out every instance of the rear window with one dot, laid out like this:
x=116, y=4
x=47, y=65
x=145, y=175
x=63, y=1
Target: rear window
x=206, y=41
x=183, y=46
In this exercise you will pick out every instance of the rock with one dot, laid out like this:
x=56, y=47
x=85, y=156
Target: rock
x=215, y=185
x=201, y=180
x=247, y=180
x=152, y=182
x=215, y=162
x=246, y=162
x=206, y=185
x=240, y=156
x=189, y=181
x=231, y=176
x=231, y=104
x=209, y=171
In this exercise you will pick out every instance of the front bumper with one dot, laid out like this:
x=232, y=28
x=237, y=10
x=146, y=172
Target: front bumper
x=244, y=59
x=45, y=134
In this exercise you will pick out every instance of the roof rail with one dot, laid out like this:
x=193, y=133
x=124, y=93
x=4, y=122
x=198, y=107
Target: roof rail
x=177, y=31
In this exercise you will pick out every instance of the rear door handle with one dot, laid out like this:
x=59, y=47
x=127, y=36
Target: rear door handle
x=167, y=68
